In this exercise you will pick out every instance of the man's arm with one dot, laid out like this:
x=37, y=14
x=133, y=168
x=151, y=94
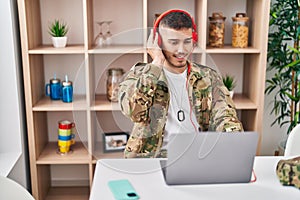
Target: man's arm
x=136, y=92
x=224, y=117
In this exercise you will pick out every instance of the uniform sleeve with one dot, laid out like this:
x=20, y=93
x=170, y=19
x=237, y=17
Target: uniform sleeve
x=224, y=117
x=136, y=91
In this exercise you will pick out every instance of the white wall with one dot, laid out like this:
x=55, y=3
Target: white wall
x=272, y=135
x=12, y=119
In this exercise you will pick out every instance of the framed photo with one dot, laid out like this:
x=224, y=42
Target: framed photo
x=115, y=141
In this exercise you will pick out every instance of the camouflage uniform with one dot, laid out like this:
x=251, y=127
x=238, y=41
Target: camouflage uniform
x=144, y=98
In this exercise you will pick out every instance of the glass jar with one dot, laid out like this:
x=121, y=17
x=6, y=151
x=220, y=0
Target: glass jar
x=240, y=30
x=67, y=91
x=53, y=89
x=112, y=84
x=216, y=30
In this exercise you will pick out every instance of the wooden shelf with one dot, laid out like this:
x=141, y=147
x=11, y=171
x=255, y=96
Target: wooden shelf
x=99, y=154
x=63, y=193
x=48, y=49
x=39, y=64
x=102, y=104
x=50, y=155
x=118, y=49
x=243, y=103
x=46, y=104
x=228, y=49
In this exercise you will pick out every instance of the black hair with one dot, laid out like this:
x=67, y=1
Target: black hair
x=176, y=20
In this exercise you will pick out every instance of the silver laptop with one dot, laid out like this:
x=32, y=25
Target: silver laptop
x=210, y=157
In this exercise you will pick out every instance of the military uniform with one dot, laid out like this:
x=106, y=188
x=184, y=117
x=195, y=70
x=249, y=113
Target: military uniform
x=144, y=98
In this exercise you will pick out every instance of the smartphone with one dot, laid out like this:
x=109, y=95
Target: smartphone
x=123, y=190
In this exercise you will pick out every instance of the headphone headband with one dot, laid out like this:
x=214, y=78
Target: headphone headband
x=194, y=27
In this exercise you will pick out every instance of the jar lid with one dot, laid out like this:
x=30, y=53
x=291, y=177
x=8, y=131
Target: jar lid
x=240, y=17
x=115, y=71
x=68, y=83
x=216, y=16
x=54, y=81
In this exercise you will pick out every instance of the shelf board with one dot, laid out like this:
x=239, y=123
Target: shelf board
x=229, y=49
x=99, y=154
x=118, y=49
x=79, y=155
x=243, y=103
x=46, y=104
x=102, y=104
x=49, y=49
x=132, y=49
x=63, y=193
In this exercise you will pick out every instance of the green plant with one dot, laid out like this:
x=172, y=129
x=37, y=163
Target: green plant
x=58, y=29
x=284, y=63
x=229, y=82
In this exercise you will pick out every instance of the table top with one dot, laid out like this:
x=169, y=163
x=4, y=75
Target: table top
x=146, y=177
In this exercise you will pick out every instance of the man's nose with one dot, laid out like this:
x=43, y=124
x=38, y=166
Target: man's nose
x=180, y=47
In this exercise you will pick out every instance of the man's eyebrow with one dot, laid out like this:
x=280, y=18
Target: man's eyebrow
x=179, y=39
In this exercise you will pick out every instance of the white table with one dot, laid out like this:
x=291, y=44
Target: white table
x=146, y=177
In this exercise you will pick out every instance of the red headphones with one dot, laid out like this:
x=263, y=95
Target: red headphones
x=156, y=24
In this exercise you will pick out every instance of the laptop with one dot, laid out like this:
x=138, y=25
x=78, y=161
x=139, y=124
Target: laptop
x=210, y=158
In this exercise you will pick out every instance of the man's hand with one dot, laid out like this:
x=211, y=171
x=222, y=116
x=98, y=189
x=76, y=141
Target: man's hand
x=154, y=50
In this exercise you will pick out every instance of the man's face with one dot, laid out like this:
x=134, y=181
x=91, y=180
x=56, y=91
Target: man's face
x=177, y=45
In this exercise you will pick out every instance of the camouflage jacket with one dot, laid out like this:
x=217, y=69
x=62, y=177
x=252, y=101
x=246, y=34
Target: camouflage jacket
x=144, y=98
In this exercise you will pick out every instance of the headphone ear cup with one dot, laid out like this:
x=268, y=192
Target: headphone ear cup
x=159, y=40
x=195, y=37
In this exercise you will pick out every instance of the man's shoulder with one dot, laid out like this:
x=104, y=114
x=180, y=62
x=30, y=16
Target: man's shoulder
x=139, y=65
x=202, y=68
x=146, y=68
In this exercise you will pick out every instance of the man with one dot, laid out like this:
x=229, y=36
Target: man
x=171, y=94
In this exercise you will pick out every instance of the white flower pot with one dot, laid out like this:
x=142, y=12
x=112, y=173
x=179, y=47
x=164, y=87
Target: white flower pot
x=59, y=42
x=231, y=93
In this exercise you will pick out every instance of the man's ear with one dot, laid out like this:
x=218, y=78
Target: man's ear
x=194, y=45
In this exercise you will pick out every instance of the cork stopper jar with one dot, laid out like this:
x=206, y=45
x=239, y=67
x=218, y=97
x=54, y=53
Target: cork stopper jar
x=216, y=30
x=112, y=83
x=240, y=30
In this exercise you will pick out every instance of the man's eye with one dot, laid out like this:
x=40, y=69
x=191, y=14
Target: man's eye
x=174, y=42
x=187, y=41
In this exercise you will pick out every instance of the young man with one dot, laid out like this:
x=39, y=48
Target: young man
x=171, y=94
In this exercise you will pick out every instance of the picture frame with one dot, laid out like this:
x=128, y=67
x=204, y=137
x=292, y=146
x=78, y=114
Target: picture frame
x=114, y=141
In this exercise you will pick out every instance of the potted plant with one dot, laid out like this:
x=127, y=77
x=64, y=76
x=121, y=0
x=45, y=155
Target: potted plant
x=229, y=83
x=284, y=62
x=58, y=31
